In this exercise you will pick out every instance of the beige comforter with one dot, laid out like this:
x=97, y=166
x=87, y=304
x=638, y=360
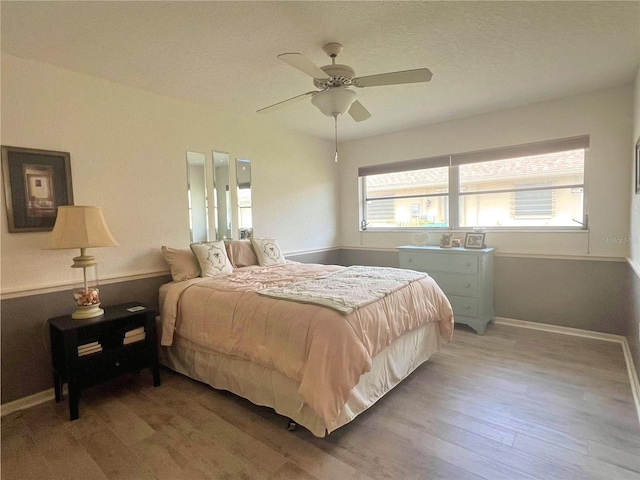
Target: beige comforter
x=326, y=351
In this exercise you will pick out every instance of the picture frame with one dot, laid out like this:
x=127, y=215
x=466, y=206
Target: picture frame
x=458, y=242
x=36, y=182
x=638, y=166
x=446, y=240
x=474, y=240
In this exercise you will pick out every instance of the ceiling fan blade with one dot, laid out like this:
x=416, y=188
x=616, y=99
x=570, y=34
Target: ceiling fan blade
x=284, y=103
x=394, y=78
x=358, y=112
x=302, y=63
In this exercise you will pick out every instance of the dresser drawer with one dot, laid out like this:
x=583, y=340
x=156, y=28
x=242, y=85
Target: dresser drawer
x=439, y=262
x=457, y=284
x=466, y=306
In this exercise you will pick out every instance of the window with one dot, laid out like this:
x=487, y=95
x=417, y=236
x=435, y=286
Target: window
x=417, y=198
x=533, y=203
x=537, y=185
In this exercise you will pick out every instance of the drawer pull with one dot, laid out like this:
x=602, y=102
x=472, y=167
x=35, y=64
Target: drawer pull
x=410, y=260
x=468, y=264
x=467, y=285
x=117, y=364
x=467, y=307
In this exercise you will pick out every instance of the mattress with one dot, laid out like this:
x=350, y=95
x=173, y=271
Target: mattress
x=331, y=365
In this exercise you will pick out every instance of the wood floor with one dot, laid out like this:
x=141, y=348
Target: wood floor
x=512, y=404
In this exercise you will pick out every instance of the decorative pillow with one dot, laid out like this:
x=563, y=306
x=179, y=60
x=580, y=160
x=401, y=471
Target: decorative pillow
x=183, y=263
x=212, y=258
x=268, y=251
x=241, y=254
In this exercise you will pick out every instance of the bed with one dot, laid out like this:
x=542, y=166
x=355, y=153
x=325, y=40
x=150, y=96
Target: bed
x=273, y=334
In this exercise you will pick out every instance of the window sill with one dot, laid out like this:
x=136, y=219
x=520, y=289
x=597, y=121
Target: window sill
x=484, y=230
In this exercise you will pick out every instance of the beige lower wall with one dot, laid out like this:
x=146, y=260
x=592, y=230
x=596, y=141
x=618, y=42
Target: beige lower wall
x=593, y=295
x=634, y=235
x=602, y=296
x=632, y=332
x=25, y=364
x=25, y=361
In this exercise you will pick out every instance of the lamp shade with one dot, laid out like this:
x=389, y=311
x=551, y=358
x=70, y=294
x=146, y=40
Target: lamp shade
x=334, y=101
x=80, y=227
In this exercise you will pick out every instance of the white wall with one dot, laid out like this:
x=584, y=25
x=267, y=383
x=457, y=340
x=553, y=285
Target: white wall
x=635, y=198
x=128, y=155
x=605, y=115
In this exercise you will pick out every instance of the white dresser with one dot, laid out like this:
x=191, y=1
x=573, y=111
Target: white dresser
x=465, y=276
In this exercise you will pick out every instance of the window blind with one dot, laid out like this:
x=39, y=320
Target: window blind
x=500, y=153
x=517, y=151
x=408, y=165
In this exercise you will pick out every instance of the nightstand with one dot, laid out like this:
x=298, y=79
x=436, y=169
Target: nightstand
x=88, y=352
x=465, y=276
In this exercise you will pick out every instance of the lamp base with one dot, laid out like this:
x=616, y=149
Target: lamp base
x=87, y=311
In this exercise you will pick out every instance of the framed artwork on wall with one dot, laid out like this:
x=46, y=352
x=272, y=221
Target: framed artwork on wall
x=638, y=166
x=36, y=183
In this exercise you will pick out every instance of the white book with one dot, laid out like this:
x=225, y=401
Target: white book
x=93, y=347
x=88, y=345
x=89, y=351
x=135, y=331
x=135, y=338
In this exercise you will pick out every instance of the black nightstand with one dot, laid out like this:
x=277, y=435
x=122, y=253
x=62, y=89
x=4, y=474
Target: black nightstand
x=112, y=360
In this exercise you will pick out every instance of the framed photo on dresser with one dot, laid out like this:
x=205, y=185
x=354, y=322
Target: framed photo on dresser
x=474, y=240
x=446, y=240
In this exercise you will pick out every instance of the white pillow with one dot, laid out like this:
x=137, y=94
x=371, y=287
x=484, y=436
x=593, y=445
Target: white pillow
x=212, y=257
x=268, y=251
x=183, y=263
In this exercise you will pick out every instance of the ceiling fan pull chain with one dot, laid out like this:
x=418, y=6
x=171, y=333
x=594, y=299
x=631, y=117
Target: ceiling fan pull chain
x=336, y=130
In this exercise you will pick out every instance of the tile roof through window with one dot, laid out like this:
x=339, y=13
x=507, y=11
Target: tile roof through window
x=552, y=164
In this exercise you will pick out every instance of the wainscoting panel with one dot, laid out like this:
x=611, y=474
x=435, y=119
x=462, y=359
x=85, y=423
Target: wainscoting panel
x=325, y=257
x=590, y=295
x=633, y=326
x=26, y=361
x=601, y=296
x=377, y=258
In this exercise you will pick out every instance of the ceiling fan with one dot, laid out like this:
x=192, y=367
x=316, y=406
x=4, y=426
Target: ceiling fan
x=335, y=97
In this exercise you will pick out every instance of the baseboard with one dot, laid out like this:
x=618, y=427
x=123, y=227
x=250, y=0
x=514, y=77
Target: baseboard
x=30, y=401
x=633, y=375
x=545, y=327
x=576, y=332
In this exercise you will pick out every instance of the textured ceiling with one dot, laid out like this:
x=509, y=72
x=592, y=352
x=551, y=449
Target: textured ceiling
x=484, y=56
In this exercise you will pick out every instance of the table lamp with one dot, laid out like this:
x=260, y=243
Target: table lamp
x=82, y=227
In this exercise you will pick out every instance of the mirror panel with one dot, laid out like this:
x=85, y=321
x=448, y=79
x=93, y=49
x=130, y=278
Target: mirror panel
x=243, y=177
x=197, y=195
x=222, y=198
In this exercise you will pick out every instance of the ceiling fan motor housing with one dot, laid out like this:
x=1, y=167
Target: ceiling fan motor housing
x=340, y=75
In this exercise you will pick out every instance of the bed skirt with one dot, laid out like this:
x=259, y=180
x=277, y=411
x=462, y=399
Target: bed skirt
x=267, y=387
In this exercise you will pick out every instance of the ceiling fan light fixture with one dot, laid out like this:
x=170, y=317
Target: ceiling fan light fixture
x=334, y=101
